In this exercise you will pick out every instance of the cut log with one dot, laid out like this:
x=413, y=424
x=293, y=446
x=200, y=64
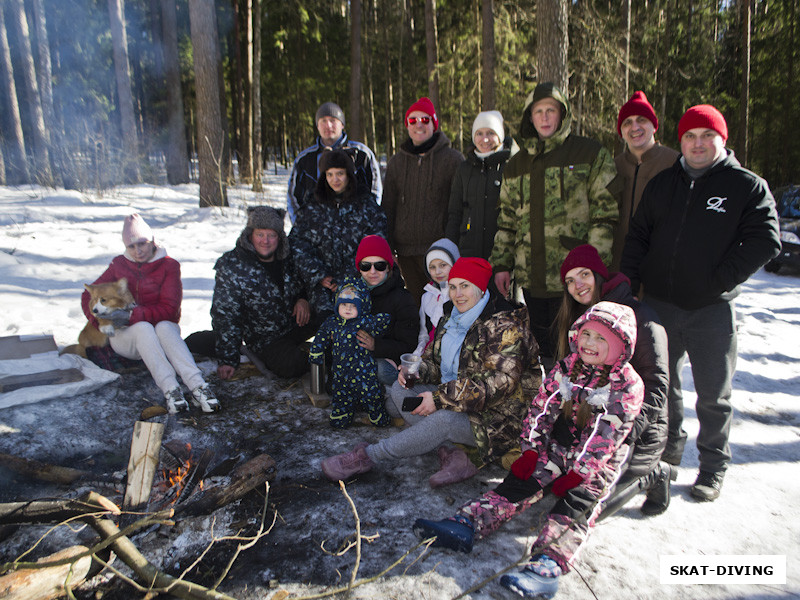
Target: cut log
x=142, y=465
x=55, y=511
x=243, y=479
x=42, y=471
x=46, y=583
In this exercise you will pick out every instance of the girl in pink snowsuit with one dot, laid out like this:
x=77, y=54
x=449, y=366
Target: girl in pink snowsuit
x=572, y=443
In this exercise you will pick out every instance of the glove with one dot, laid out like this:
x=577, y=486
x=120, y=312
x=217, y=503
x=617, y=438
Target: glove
x=565, y=483
x=525, y=465
x=119, y=318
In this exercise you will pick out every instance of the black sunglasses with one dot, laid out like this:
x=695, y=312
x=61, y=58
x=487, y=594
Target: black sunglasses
x=365, y=266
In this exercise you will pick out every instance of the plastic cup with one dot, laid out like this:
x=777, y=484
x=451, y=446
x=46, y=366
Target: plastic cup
x=409, y=367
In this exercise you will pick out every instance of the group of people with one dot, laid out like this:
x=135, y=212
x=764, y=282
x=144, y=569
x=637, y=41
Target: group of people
x=625, y=266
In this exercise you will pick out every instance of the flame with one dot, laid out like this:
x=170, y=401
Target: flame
x=177, y=479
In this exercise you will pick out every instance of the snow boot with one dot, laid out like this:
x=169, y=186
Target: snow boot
x=708, y=485
x=204, y=399
x=539, y=578
x=456, y=533
x=175, y=400
x=658, y=494
x=456, y=466
x=343, y=466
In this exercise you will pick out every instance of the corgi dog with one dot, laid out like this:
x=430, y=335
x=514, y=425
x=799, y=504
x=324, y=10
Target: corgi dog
x=104, y=298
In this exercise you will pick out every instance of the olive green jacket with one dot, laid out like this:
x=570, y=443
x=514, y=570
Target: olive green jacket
x=557, y=193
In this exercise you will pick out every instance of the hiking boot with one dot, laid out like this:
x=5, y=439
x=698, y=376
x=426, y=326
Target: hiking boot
x=175, y=400
x=539, y=578
x=707, y=485
x=203, y=398
x=456, y=466
x=455, y=534
x=658, y=494
x=343, y=466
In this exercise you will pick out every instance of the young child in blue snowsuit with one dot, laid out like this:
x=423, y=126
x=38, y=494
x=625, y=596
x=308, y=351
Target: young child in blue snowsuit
x=355, y=374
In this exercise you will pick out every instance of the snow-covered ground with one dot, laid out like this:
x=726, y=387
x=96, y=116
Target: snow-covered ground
x=54, y=241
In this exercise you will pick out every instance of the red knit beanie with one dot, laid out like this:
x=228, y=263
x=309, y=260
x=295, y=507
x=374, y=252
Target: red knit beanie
x=615, y=344
x=703, y=115
x=637, y=105
x=473, y=269
x=425, y=105
x=374, y=245
x=584, y=256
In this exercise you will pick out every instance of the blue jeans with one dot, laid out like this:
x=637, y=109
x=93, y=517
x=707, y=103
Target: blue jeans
x=387, y=373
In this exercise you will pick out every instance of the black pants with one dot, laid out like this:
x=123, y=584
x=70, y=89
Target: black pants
x=286, y=356
x=543, y=312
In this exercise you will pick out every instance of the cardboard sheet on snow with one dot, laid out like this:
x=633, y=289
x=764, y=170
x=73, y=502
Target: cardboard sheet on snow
x=58, y=373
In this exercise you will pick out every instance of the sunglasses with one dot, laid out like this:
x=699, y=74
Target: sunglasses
x=365, y=266
x=423, y=120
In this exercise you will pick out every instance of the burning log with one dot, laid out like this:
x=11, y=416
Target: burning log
x=42, y=471
x=246, y=477
x=47, y=582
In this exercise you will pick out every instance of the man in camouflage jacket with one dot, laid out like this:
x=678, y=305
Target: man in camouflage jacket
x=259, y=300
x=557, y=193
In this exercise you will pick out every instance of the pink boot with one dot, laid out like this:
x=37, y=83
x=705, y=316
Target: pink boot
x=456, y=466
x=343, y=466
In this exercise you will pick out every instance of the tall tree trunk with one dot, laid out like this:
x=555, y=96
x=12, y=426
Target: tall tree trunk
x=130, y=138
x=257, y=187
x=46, y=90
x=626, y=11
x=488, y=58
x=354, y=118
x=744, y=99
x=41, y=141
x=387, y=69
x=370, y=37
x=16, y=161
x=177, y=157
x=238, y=108
x=210, y=143
x=246, y=148
x=432, y=52
x=552, y=42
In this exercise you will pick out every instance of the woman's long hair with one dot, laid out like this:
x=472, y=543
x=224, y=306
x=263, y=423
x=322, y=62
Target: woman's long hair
x=568, y=313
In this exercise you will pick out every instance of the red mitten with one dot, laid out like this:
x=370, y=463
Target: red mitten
x=565, y=483
x=525, y=465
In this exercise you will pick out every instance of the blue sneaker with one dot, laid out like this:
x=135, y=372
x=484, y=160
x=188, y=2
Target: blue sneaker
x=449, y=533
x=538, y=580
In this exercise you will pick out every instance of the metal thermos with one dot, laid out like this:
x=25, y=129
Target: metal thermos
x=317, y=378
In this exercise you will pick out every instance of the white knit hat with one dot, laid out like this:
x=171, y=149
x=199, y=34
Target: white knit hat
x=491, y=119
x=136, y=230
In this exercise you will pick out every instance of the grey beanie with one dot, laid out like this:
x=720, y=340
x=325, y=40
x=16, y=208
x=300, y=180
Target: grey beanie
x=443, y=249
x=330, y=109
x=266, y=217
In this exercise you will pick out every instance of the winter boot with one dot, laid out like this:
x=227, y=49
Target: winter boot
x=659, y=493
x=456, y=466
x=175, y=400
x=708, y=485
x=455, y=533
x=343, y=466
x=539, y=578
x=204, y=399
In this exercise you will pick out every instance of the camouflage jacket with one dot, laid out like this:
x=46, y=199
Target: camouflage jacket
x=614, y=407
x=556, y=194
x=253, y=300
x=498, y=371
x=325, y=237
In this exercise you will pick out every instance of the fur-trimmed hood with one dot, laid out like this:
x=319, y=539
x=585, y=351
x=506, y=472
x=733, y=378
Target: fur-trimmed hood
x=617, y=317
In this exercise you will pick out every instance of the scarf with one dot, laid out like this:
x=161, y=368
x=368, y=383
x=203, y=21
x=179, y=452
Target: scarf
x=455, y=331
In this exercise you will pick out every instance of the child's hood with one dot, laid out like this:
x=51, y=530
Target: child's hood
x=355, y=288
x=618, y=318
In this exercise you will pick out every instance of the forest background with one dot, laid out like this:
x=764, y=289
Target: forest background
x=99, y=92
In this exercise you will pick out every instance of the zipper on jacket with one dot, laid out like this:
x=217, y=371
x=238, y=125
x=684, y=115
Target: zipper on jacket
x=633, y=193
x=671, y=272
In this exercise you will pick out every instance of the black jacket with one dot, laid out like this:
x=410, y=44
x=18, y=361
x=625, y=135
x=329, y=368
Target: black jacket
x=692, y=243
x=393, y=298
x=651, y=361
x=474, y=194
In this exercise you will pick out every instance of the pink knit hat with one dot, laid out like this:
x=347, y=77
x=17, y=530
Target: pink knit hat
x=424, y=105
x=136, y=230
x=703, y=115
